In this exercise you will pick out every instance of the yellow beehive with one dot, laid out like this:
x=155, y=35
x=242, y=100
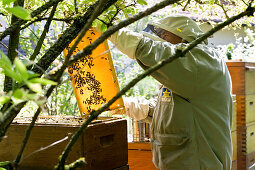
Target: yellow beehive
x=93, y=77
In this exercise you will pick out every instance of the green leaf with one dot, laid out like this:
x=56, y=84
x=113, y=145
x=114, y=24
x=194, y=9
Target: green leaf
x=35, y=87
x=12, y=74
x=19, y=12
x=2, y=168
x=21, y=68
x=3, y=100
x=32, y=74
x=43, y=81
x=8, y=2
x=5, y=61
x=142, y=2
x=19, y=93
x=103, y=27
x=212, y=2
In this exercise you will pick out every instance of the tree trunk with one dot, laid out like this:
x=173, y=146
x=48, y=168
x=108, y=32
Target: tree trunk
x=13, y=46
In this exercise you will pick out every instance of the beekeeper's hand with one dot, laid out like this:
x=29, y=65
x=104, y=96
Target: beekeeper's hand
x=136, y=108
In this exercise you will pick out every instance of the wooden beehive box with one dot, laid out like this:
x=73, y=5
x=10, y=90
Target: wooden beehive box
x=103, y=144
x=243, y=82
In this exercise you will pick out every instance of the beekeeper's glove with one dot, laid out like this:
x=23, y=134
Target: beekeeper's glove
x=136, y=108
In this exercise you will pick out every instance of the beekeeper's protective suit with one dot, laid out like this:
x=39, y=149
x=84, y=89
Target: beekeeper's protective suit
x=191, y=124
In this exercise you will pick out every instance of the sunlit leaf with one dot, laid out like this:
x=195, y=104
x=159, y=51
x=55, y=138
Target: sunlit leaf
x=21, y=68
x=19, y=12
x=19, y=93
x=11, y=73
x=32, y=74
x=142, y=2
x=5, y=61
x=43, y=81
x=103, y=27
x=35, y=87
x=3, y=100
x=8, y=2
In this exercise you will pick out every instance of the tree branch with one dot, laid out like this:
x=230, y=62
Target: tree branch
x=224, y=10
x=25, y=140
x=67, y=37
x=87, y=50
x=9, y=115
x=45, y=31
x=76, y=164
x=179, y=53
x=86, y=27
x=44, y=7
x=67, y=20
x=13, y=46
x=36, y=12
x=75, y=7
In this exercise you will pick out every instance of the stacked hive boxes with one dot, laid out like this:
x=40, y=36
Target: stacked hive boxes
x=103, y=144
x=243, y=81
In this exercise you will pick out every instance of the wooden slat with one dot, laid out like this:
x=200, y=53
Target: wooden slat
x=235, y=64
x=241, y=133
x=251, y=159
x=250, y=138
x=250, y=108
x=234, y=114
x=250, y=82
x=139, y=146
x=140, y=160
x=105, y=146
x=41, y=136
x=237, y=73
x=234, y=143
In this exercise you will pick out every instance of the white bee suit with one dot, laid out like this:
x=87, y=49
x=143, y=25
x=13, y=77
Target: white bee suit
x=191, y=124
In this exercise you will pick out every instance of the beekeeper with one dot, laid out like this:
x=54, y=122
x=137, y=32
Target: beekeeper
x=191, y=123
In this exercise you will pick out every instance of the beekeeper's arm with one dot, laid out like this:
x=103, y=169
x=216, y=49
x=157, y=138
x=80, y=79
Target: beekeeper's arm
x=139, y=108
x=178, y=75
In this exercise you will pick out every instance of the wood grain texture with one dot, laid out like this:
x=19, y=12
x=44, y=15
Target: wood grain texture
x=250, y=138
x=234, y=143
x=237, y=73
x=139, y=146
x=99, y=150
x=233, y=128
x=250, y=80
x=250, y=108
x=140, y=160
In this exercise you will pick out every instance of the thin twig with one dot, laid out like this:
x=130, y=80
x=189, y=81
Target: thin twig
x=75, y=7
x=43, y=35
x=76, y=164
x=87, y=50
x=67, y=37
x=46, y=18
x=245, y=3
x=44, y=148
x=184, y=8
x=84, y=30
x=26, y=137
x=223, y=8
x=36, y=12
